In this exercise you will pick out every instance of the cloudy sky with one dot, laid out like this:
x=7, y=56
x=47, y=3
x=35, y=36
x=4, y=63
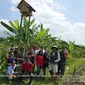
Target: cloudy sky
x=65, y=18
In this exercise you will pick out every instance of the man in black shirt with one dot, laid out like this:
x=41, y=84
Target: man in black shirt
x=62, y=62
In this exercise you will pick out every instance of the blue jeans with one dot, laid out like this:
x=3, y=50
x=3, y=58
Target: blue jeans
x=38, y=70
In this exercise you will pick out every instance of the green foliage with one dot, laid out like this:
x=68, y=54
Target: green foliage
x=73, y=62
x=76, y=51
x=8, y=27
x=35, y=34
x=71, y=48
x=62, y=43
x=32, y=34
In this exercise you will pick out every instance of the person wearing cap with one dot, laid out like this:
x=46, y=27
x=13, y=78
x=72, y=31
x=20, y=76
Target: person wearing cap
x=10, y=56
x=10, y=53
x=12, y=47
x=54, y=59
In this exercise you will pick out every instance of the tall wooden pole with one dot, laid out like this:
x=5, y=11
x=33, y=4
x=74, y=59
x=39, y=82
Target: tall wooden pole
x=20, y=33
x=27, y=38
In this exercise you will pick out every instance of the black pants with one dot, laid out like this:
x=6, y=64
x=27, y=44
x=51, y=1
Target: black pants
x=28, y=73
x=61, y=69
x=33, y=62
x=33, y=68
x=44, y=69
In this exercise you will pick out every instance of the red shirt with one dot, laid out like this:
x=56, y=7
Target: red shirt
x=27, y=66
x=40, y=61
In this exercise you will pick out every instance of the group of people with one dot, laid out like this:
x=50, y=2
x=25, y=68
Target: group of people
x=36, y=58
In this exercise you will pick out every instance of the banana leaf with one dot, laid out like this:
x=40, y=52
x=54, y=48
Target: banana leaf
x=8, y=27
x=16, y=24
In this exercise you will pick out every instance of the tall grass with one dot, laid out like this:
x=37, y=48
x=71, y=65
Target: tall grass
x=72, y=63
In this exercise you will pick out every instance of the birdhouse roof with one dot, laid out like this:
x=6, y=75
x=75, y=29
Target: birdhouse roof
x=24, y=2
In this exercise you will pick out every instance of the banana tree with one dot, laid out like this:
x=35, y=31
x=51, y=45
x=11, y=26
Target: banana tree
x=71, y=48
x=15, y=29
x=37, y=35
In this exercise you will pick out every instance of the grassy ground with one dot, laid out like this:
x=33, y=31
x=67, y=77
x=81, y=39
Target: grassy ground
x=47, y=81
x=72, y=63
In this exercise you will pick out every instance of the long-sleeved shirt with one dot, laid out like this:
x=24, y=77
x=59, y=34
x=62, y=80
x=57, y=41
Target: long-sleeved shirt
x=58, y=58
x=54, y=57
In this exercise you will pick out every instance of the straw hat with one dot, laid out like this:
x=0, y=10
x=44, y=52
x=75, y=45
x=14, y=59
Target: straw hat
x=16, y=46
x=54, y=47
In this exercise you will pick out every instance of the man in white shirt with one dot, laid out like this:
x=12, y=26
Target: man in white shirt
x=54, y=59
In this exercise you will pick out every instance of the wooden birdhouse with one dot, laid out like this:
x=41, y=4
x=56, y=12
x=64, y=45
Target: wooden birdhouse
x=25, y=8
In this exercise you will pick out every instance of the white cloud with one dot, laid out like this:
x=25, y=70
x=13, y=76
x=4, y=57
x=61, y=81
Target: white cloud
x=51, y=15
x=13, y=9
x=14, y=2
